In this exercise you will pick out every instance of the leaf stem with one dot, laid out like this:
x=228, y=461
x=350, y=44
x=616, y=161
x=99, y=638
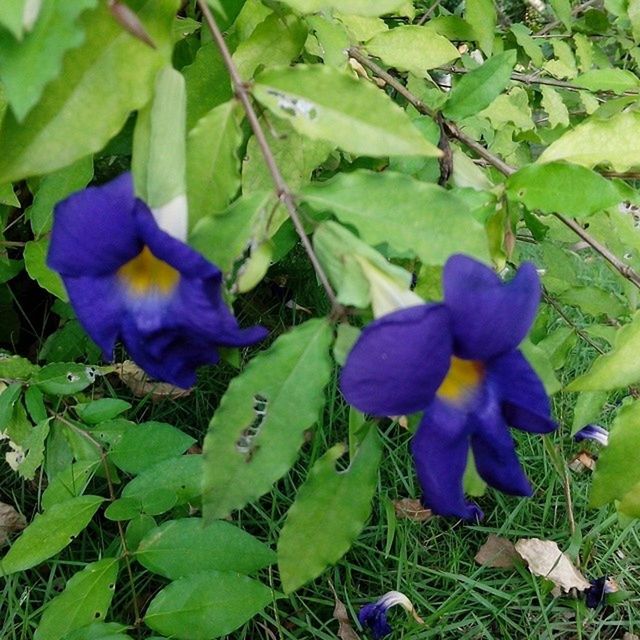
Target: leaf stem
x=506, y=169
x=284, y=193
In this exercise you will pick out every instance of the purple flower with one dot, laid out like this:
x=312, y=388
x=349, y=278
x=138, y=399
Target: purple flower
x=597, y=593
x=373, y=616
x=593, y=432
x=457, y=362
x=129, y=280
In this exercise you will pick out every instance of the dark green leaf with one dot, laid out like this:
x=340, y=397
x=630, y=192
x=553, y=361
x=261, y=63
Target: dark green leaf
x=69, y=483
x=62, y=379
x=101, y=410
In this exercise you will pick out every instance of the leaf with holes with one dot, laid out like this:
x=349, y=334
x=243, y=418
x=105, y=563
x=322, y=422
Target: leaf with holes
x=206, y=605
x=86, y=597
x=182, y=547
x=49, y=533
x=63, y=379
x=329, y=512
x=255, y=434
x=324, y=103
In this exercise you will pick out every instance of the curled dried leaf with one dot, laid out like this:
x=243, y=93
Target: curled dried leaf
x=411, y=509
x=142, y=385
x=497, y=552
x=345, y=630
x=10, y=521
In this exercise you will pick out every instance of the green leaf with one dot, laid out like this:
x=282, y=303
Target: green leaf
x=324, y=103
x=634, y=17
x=594, y=301
x=101, y=631
x=101, y=82
x=213, y=162
x=255, y=434
x=587, y=409
x=16, y=367
x=618, y=368
x=159, y=146
x=54, y=188
x=223, y=238
x=12, y=17
x=355, y=7
x=566, y=188
x=477, y=89
x=407, y=215
x=183, y=547
x=128, y=508
x=101, y=410
x=182, y=476
x=553, y=104
x=69, y=483
x=481, y=15
x=329, y=512
x=8, y=196
x=63, y=379
x=616, y=473
x=39, y=55
x=49, y=533
x=147, y=444
x=562, y=9
x=615, y=80
x=614, y=141
x=531, y=47
x=33, y=445
x=541, y=364
x=412, y=48
x=86, y=597
x=277, y=40
x=207, y=82
x=333, y=40
x=206, y=605
x=35, y=262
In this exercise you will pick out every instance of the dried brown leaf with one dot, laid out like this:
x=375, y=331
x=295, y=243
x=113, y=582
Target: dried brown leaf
x=630, y=636
x=10, y=521
x=142, y=385
x=583, y=461
x=497, y=552
x=345, y=630
x=545, y=559
x=411, y=509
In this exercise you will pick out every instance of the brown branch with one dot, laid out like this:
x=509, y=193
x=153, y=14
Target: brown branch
x=284, y=193
x=506, y=169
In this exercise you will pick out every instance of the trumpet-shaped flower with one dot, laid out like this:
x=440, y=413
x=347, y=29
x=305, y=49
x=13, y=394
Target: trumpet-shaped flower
x=373, y=616
x=129, y=280
x=458, y=362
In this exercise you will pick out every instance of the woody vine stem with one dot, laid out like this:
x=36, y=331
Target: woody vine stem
x=284, y=193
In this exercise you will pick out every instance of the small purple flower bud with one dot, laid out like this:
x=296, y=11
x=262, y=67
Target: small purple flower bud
x=373, y=616
x=593, y=432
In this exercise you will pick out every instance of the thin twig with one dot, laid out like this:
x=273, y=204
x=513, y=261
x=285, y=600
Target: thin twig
x=506, y=169
x=428, y=12
x=284, y=193
x=576, y=11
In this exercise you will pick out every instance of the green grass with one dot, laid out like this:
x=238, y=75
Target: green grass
x=432, y=563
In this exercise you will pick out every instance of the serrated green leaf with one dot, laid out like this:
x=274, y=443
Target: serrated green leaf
x=33, y=446
x=616, y=473
x=101, y=82
x=620, y=367
x=477, y=89
x=277, y=40
x=333, y=40
x=223, y=238
x=255, y=434
x=326, y=104
x=531, y=47
x=614, y=141
x=62, y=379
x=49, y=533
x=403, y=213
x=213, y=162
x=147, y=444
x=35, y=262
x=183, y=547
x=39, y=55
x=54, y=188
x=615, y=80
x=339, y=502
x=86, y=597
x=69, y=483
x=562, y=9
x=481, y=15
x=566, y=188
x=412, y=48
x=101, y=410
x=553, y=104
x=182, y=476
x=349, y=7
x=206, y=605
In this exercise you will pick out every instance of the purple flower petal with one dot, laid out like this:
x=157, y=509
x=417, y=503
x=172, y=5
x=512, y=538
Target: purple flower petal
x=399, y=361
x=488, y=317
x=374, y=617
x=494, y=451
x=593, y=432
x=439, y=449
x=525, y=404
x=94, y=230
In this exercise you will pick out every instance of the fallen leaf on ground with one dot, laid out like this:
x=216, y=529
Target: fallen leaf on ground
x=10, y=521
x=497, y=552
x=142, y=385
x=583, y=461
x=345, y=630
x=630, y=636
x=411, y=509
x=545, y=559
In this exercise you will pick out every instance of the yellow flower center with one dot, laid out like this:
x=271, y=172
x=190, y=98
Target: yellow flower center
x=145, y=274
x=462, y=379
